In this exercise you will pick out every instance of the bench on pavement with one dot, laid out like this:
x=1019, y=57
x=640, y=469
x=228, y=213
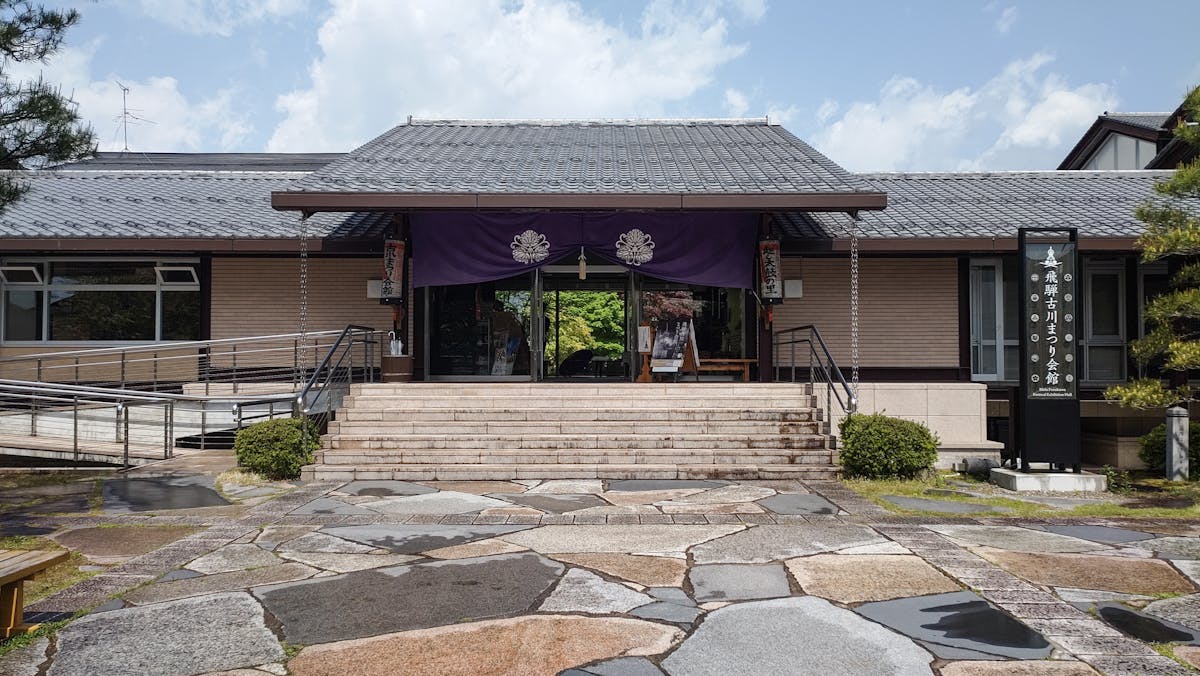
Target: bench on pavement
x=16, y=566
x=741, y=366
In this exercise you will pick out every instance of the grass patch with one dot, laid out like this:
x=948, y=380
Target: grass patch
x=12, y=480
x=22, y=640
x=58, y=577
x=290, y=650
x=26, y=542
x=1148, y=497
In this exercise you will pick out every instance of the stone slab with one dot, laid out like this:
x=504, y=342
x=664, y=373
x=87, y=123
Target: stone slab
x=1089, y=596
x=408, y=597
x=1103, y=573
x=25, y=661
x=959, y=620
x=323, y=543
x=764, y=544
x=1183, y=610
x=569, y=486
x=873, y=577
x=441, y=502
x=738, y=582
x=581, y=591
x=637, y=485
x=617, y=538
x=108, y=544
x=781, y=635
x=544, y=644
x=1018, y=668
x=667, y=612
x=405, y=539
x=347, y=563
x=798, y=503
x=647, y=497
x=1157, y=625
x=273, y=536
x=473, y=549
x=220, y=582
x=883, y=548
x=1104, y=534
x=233, y=557
x=650, y=571
x=625, y=666
x=1017, y=539
x=158, y=493
x=554, y=503
x=1044, y=482
x=385, y=488
x=207, y=633
x=941, y=506
x=1173, y=547
x=331, y=506
x=724, y=494
x=476, y=487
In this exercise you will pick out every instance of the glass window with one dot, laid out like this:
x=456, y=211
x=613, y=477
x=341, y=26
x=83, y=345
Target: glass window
x=1104, y=349
x=23, y=314
x=986, y=320
x=101, y=300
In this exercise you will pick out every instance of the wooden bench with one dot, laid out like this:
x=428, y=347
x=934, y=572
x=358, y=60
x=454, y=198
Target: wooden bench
x=16, y=566
x=726, y=366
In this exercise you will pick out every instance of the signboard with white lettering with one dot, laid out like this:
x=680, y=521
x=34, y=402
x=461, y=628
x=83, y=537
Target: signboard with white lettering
x=1048, y=416
x=393, y=289
x=770, y=277
x=1050, y=326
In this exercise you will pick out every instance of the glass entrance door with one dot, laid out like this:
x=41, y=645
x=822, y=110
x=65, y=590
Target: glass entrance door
x=585, y=323
x=480, y=331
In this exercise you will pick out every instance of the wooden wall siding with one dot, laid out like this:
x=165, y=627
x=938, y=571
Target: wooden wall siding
x=908, y=310
x=261, y=296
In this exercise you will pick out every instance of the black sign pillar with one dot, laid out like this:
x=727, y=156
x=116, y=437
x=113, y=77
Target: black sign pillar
x=1049, y=401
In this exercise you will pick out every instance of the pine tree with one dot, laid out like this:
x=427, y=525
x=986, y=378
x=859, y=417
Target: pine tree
x=1172, y=232
x=38, y=125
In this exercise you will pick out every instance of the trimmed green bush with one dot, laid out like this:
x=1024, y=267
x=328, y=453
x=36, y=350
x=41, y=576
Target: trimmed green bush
x=277, y=449
x=877, y=446
x=1154, y=450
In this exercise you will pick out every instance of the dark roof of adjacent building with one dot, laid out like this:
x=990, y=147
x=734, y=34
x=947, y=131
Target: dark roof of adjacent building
x=984, y=205
x=167, y=205
x=642, y=158
x=1152, y=121
x=127, y=161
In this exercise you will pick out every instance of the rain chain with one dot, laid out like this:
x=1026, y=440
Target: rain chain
x=854, y=306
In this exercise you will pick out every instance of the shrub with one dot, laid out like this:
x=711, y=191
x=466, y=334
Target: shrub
x=277, y=449
x=878, y=446
x=1154, y=450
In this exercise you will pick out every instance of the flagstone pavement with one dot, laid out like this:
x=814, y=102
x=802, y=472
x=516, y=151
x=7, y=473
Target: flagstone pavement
x=587, y=577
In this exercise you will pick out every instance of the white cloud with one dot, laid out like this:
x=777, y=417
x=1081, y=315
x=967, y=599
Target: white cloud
x=169, y=121
x=736, y=103
x=381, y=61
x=1020, y=119
x=828, y=109
x=215, y=17
x=1006, y=20
x=781, y=114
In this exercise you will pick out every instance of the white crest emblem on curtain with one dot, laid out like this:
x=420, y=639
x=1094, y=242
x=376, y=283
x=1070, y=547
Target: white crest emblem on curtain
x=635, y=247
x=530, y=247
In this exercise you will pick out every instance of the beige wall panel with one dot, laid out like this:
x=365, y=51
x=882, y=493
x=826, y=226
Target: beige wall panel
x=908, y=310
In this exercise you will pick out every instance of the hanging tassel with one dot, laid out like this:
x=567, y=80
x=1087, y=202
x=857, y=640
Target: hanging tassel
x=582, y=264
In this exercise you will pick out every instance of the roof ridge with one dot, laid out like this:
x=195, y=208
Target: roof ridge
x=1055, y=173
x=571, y=122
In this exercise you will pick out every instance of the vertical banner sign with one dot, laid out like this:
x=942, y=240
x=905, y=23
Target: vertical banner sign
x=770, y=277
x=1049, y=286
x=393, y=288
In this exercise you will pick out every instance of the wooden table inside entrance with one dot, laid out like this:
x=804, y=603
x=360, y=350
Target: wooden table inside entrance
x=726, y=366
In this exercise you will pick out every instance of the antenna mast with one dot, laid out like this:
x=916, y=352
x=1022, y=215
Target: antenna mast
x=124, y=112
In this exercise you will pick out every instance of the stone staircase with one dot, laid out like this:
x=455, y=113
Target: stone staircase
x=468, y=431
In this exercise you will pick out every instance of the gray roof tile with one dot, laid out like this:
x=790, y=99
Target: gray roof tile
x=692, y=156
x=990, y=204
x=173, y=204
x=1145, y=120
x=125, y=161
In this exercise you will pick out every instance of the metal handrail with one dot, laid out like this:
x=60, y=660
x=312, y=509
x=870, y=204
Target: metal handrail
x=170, y=345
x=820, y=361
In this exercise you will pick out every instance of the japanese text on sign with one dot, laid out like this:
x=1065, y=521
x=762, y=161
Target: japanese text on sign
x=1050, y=370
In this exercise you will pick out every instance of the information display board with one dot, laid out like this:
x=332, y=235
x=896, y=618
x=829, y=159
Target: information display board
x=1049, y=402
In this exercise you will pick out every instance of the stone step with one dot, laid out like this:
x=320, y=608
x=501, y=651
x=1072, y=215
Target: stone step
x=527, y=427
x=579, y=456
x=569, y=441
x=410, y=402
x=597, y=413
x=489, y=472
x=691, y=389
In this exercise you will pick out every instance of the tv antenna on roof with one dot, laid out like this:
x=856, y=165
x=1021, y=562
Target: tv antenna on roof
x=126, y=116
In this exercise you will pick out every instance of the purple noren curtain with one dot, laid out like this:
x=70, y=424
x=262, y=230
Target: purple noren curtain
x=711, y=249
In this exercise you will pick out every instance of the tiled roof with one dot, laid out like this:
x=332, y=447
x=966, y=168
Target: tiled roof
x=126, y=161
x=173, y=204
x=1145, y=120
x=990, y=204
x=543, y=157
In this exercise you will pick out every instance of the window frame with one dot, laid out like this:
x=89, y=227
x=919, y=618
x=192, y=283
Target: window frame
x=1088, y=340
x=47, y=287
x=997, y=264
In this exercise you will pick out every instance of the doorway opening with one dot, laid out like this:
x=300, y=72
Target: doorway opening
x=586, y=324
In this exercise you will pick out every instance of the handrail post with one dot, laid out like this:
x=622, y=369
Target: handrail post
x=33, y=409
x=75, y=431
x=154, y=363
x=40, y=377
x=122, y=369
x=77, y=370
x=125, y=436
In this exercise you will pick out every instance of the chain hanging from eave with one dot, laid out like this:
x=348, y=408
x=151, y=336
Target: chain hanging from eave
x=303, y=282
x=854, y=305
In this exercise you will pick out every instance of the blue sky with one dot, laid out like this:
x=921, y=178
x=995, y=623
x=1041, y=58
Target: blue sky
x=876, y=85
